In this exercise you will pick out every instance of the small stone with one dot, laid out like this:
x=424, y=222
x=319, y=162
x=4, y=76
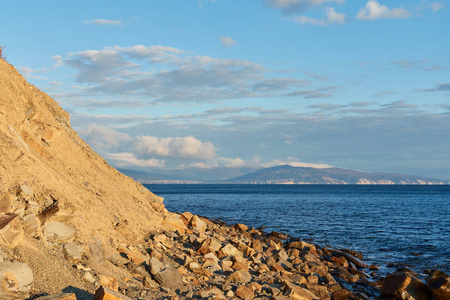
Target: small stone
x=103, y=293
x=63, y=296
x=31, y=224
x=97, y=252
x=11, y=230
x=16, y=279
x=73, y=252
x=5, y=203
x=155, y=265
x=89, y=278
x=211, y=292
x=24, y=191
x=244, y=292
x=109, y=282
x=241, y=276
x=57, y=231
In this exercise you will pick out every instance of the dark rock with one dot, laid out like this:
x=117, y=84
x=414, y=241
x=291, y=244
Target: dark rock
x=401, y=286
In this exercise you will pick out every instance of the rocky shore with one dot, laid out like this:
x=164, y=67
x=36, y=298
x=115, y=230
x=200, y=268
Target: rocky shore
x=189, y=257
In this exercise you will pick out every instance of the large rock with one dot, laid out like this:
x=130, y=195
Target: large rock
x=198, y=224
x=31, y=224
x=16, y=279
x=169, y=278
x=439, y=284
x=11, y=230
x=174, y=224
x=97, y=251
x=401, y=286
x=57, y=231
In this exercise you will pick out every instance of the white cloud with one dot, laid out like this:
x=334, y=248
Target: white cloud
x=103, y=22
x=28, y=72
x=126, y=159
x=298, y=6
x=178, y=147
x=437, y=6
x=102, y=138
x=227, y=41
x=374, y=11
x=332, y=18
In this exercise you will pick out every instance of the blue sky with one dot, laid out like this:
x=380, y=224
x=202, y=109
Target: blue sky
x=207, y=85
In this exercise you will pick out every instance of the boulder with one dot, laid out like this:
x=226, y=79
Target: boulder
x=174, y=224
x=11, y=230
x=401, y=286
x=155, y=265
x=16, y=279
x=439, y=284
x=103, y=293
x=230, y=250
x=240, y=276
x=169, y=278
x=244, y=293
x=57, y=231
x=197, y=223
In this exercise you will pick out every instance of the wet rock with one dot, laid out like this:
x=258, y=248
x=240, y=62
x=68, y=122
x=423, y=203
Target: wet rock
x=73, y=252
x=63, y=296
x=104, y=293
x=11, y=231
x=359, y=263
x=244, y=292
x=57, y=231
x=439, y=284
x=16, y=279
x=170, y=278
x=342, y=294
x=401, y=286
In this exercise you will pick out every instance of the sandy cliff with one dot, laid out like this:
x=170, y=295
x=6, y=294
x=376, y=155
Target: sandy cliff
x=39, y=149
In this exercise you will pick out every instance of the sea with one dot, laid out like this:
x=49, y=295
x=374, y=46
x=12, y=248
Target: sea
x=398, y=224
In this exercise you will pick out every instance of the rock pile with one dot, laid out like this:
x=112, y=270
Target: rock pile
x=193, y=257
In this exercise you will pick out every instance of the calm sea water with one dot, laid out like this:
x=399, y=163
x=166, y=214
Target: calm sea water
x=386, y=223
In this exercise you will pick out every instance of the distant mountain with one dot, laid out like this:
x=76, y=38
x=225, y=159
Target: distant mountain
x=214, y=175
x=299, y=175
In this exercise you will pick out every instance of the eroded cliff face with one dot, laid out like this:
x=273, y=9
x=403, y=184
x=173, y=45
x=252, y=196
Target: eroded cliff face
x=69, y=181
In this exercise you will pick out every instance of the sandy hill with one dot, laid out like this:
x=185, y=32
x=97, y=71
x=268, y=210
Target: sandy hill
x=47, y=171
